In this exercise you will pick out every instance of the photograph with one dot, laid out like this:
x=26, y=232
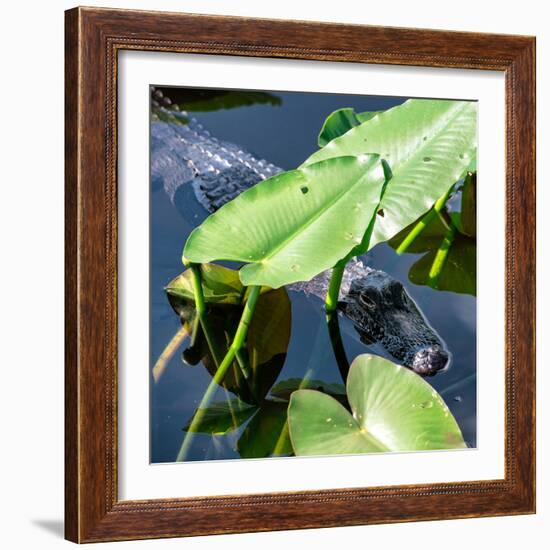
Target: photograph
x=312, y=274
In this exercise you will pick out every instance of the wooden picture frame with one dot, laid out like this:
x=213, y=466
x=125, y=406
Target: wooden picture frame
x=93, y=511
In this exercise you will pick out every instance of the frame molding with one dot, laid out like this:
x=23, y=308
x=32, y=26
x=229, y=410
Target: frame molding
x=92, y=41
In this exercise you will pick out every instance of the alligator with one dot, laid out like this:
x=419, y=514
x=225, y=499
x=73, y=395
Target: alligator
x=184, y=153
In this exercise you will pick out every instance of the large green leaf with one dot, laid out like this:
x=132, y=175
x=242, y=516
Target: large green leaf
x=341, y=121
x=294, y=225
x=268, y=335
x=429, y=144
x=393, y=409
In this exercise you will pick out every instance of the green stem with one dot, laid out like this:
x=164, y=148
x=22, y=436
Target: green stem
x=424, y=222
x=441, y=257
x=200, y=308
x=196, y=281
x=201, y=323
x=242, y=361
x=246, y=318
x=333, y=292
x=331, y=305
x=212, y=343
x=195, y=331
x=242, y=358
x=218, y=377
x=338, y=345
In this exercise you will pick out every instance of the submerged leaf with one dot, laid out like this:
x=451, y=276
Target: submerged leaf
x=459, y=270
x=284, y=389
x=223, y=417
x=393, y=409
x=267, y=433
x=458, y=273
x=295, y=225
x=429, y=145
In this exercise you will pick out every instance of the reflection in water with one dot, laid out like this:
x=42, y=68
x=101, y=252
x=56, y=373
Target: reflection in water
x=261, y=426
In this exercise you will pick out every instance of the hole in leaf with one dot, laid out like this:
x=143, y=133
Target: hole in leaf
x=425, y=138
x=461, y=156
x=381, y=212
x=304, y=189
x=427, y=159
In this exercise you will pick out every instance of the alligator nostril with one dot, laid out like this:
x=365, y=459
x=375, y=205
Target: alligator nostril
x=428, y=361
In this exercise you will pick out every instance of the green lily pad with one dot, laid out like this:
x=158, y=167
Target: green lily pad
x=393, y=409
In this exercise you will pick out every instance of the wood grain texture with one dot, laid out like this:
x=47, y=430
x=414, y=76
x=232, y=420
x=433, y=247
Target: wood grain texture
x=93, y=38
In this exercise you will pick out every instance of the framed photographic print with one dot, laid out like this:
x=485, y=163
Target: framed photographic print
x=300, y=275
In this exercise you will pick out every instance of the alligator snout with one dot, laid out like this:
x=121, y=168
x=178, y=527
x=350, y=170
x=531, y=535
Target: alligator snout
x=430, y=360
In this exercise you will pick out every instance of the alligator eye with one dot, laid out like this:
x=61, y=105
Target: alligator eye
x=367, y=302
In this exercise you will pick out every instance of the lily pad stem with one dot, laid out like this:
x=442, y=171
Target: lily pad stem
x=331, y=305
x=217, y=379
x=200, y=308
x=196, y=280
x=338, y=344
x=331, y=301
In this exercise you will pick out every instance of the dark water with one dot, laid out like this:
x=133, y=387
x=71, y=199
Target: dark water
x=286, y=135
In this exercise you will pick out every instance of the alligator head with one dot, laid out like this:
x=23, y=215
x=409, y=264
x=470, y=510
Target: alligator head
x=384, y=313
